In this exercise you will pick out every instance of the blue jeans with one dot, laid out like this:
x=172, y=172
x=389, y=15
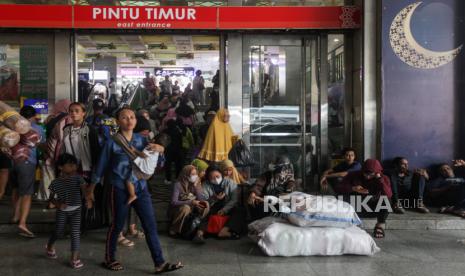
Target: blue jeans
x=144, y=210
x=412, y=189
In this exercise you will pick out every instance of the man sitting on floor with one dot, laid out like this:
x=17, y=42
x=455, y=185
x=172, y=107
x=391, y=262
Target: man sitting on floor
x=407, y=187
x=448, y=190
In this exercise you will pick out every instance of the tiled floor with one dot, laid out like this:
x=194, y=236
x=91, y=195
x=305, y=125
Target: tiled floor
x=402, y=253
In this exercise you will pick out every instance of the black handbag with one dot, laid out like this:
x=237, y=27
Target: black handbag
x=91, y=218
x=190, y=226
x=240, y=155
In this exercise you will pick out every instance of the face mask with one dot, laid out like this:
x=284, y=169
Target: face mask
x=193, y=178
x=271, y=167
x=218, y=180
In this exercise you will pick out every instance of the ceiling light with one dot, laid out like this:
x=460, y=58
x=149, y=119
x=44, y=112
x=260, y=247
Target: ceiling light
x=336, y=40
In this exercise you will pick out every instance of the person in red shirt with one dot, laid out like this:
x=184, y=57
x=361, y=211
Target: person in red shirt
x=370, y=181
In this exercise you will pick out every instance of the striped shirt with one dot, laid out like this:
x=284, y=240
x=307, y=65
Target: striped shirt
x=68, y=190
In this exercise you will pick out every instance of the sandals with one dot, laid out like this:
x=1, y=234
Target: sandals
x=167, y=267
x=26, y=233
x=136, y=235
x=378, y=232
x=113, y=266
x=125, y=242
x=76, y=264
x=51, y=254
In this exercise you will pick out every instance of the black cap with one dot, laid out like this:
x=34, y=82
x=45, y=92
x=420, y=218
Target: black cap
x=98, y=104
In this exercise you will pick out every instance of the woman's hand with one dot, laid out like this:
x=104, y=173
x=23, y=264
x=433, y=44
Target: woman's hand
x=360, y=190
x=221, y=212
x=220, y=196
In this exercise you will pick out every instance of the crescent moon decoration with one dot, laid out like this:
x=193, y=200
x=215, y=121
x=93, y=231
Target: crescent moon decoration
x=407, y=48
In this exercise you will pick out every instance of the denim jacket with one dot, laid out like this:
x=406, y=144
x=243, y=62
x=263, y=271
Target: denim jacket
x=121, y=168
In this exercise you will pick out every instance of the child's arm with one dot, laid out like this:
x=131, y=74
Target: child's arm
x=60, y=205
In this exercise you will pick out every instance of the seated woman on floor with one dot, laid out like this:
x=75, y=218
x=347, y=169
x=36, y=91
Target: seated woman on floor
x=275, y=182
x=221, y=194
x=187, y=198
x=335, y=175
x=369, y=182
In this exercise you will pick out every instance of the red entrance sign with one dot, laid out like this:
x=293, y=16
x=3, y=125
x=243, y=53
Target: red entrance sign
x=289, y=17
x=130, y=17
x=36, y=16
x=146, y=17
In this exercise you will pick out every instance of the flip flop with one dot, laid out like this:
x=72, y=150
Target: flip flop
x=137, y=235
x=167, y=267
x=125, y=242
x=113, y=266
x=26, y=233
x=378, y=233
x=51, y=254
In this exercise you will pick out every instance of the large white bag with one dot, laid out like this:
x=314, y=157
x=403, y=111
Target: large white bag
x=321, y=211
x=282, y=239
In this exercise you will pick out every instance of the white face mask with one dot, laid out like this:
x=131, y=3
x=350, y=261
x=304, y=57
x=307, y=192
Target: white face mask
x=218, y=180
x=193, y=178
x=271, y=167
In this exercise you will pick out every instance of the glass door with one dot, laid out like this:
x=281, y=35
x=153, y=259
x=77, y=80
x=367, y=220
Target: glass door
x=275, y=114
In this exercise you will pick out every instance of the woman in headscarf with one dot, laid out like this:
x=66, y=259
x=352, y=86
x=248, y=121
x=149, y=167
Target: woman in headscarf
x=277, y=181
x=218, y=142
x=230, y=171
x=201, y=167
x=186, y=198
x=221, y=194
x=370, y=181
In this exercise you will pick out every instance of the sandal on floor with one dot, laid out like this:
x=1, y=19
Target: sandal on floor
x=26, y=233
x=167, y=267
x=125, y=242
x=445, y=209
x=378, y=232
x=113, y=266
x=51, y=254
x=136, y=235
x=459, y=212
x=76, y=264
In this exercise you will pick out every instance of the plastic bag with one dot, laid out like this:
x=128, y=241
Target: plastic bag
x=47, y=176
x=216, y=223
x=240, y=155
x=30, y=139
x=8, y=138
x=20, y=152
x=13, y=120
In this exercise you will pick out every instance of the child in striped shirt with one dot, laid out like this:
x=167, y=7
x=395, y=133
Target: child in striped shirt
x=65, y=194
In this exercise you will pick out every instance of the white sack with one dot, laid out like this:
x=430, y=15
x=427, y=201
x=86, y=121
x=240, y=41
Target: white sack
x=282, y=239
x=321, y=211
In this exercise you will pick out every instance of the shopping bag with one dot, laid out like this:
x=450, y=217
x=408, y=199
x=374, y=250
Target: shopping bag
x=240, y=155
x=216, y=223
x=47, y=176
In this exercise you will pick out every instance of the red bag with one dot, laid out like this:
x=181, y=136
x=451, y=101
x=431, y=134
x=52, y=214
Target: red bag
x=216, y=223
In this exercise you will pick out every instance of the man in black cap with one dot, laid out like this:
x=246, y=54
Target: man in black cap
x=97, y=121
